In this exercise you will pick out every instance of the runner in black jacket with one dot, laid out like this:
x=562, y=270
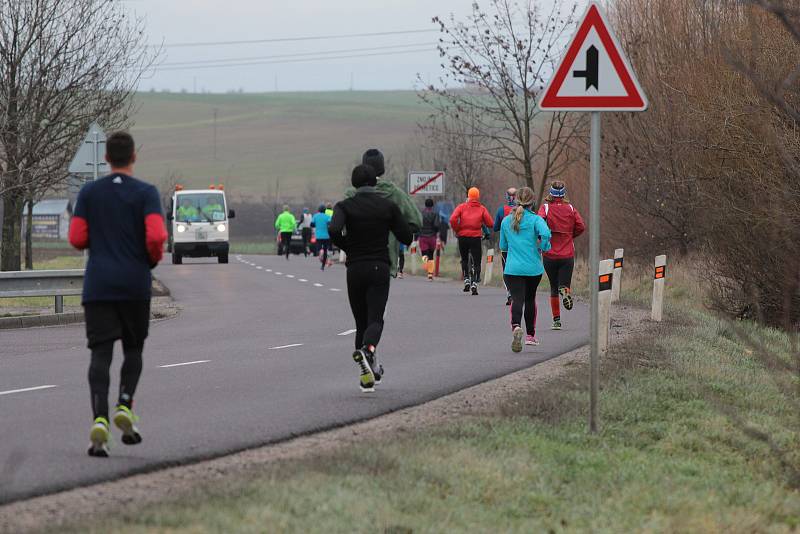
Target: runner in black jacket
x=361, y=226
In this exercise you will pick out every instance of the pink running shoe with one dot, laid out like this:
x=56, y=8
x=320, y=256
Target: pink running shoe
x=531, y=340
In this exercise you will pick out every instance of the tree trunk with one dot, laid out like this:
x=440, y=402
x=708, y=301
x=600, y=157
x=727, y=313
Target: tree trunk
x=29, y=235
x=10, y=250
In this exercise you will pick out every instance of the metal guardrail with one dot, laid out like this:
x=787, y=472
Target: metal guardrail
x=58, y=284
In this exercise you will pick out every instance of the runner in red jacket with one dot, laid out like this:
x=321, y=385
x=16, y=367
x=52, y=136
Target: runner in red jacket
x=565, y=224
x=468, y=221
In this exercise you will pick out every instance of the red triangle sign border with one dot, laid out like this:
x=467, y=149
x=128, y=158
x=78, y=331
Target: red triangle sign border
x=634, y=100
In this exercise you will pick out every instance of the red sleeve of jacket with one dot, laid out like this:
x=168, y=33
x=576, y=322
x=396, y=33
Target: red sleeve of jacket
x=580, y=226
x=79, y=233
x=455, y=222
x=155, y=235
x=541, y=213
x=487, y=219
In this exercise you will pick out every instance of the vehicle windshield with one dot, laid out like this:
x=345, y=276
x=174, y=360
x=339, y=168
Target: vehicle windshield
x=200, y=207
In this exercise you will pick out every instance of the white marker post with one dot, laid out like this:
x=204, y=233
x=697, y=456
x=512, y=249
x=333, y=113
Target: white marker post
x=617, y=281
x=489, y=267
x=593, y=76
x=659, y=279
x=413, y=252
x=605, y=283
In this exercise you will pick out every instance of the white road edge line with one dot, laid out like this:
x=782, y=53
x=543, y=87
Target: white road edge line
x=23, y=390
x=184, y=363
x=347, y=332
x=286, y=346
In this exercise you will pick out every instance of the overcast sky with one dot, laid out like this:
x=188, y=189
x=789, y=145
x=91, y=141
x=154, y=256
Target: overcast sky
x=387, y=61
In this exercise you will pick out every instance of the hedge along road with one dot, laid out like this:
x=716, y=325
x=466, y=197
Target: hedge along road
x=260, y=353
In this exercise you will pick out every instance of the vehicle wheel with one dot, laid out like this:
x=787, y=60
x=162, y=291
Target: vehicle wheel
x=169, y=245
x=222, y=258
x=177, y=259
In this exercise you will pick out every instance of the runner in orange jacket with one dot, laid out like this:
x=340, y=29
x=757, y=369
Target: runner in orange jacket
x=468, y=222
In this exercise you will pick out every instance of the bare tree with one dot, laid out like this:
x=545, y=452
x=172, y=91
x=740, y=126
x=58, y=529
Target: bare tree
x=63, y=64
x=496, y=63
x=457, y=141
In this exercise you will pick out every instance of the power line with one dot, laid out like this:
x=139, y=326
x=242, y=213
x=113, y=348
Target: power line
x=299, y=54
x=306, y=60
x=290, y=39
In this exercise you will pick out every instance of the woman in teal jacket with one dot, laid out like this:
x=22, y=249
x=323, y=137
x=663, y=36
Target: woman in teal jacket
x=523, y=236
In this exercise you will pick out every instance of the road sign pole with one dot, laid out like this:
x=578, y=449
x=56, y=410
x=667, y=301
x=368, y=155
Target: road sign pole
x=96, y=155
x=594, y=262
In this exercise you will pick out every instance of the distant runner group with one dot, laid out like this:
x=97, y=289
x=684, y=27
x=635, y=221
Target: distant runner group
x=118, y=218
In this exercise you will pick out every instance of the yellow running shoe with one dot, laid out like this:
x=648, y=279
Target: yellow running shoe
x=124, y=420
x=98, y=438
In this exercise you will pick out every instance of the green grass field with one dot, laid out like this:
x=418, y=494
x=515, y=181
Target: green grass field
x=297, y=138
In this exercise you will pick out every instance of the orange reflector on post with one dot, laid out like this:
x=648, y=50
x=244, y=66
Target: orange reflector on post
x=661, y=272
x=605, y=282
x=618, y=263
x=489, y=259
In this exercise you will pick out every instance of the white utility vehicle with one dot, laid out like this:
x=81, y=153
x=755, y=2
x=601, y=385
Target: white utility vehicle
x=199, y=224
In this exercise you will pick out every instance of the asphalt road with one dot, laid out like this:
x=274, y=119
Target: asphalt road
x=260, y=353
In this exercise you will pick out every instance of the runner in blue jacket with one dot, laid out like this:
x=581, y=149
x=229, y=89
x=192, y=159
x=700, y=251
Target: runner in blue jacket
x=524, y=236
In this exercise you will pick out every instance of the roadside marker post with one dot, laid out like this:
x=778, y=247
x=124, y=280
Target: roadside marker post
x=617, y=281
x=605, y=283
x=593, y=76
x=438, y=258
x=659, y=279
x=489, y=267
x=413, y=251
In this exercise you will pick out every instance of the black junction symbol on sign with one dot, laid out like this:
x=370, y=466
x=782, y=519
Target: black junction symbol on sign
x=592, y=72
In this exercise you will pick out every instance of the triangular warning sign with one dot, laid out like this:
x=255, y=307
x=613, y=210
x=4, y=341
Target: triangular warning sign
x=594, y=74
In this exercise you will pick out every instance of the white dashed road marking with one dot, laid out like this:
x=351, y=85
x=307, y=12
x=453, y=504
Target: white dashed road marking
x=317, y=285
x=23, y=390
x=286, y=346
x=347, y=332
x=289, y=276
x=259, y=267
x=334, y=289
x=276, y=272
x=184, y=363
x=302, y=280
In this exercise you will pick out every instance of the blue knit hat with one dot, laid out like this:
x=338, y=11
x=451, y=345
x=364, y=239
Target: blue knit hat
x=560, y=192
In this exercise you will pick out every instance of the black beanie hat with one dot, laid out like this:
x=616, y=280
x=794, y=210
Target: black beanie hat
x=428, y=202
x=363, y=175
x=374, y=158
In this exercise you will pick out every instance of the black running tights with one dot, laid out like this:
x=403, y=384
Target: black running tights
x=99, y=376
x=523, y=300
x=368, y=291
x=559, y=272
x=470, y=246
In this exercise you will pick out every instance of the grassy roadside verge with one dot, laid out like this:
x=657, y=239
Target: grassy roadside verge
x=666, y=460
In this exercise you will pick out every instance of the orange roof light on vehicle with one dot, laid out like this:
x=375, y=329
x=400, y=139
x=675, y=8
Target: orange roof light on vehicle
x=212, y=186
x=178, y=187
x=221, y=187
